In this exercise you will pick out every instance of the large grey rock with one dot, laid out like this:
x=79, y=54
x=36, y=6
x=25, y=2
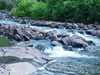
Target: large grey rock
x=66, y=40
x=16, y=37
x=79, y=43
x=21, y=68
x=17, y=33
x=40, y=47
x=22, y=33
x=56, y=43
x=91, y=32
x=24, y=53
x=51, y=34
x=15, y=60
x=24, y=44
x=75, y=41
x=98, y=33
x=94, y=32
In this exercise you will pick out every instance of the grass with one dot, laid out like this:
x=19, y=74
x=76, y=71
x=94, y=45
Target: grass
x=4, y=41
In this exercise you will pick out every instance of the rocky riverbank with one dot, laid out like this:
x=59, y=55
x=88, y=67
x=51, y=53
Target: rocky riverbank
x=54, y=24
x=20, y=33
x=95, y=28
x=13, y=59
x=21, y=59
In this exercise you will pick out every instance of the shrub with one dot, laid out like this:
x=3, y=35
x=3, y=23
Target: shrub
x=4, y=41
x=38, y=10
x=71, y=10
x=20, y=13
x=2, y=4
x=7, y=4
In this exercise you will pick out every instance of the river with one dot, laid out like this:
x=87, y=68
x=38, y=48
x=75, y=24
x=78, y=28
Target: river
x=77, y=62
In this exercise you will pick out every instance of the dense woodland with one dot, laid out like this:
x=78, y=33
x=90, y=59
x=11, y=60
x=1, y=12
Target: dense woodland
x=63, y=10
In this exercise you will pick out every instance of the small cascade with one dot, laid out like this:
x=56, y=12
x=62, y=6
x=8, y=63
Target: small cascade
x=58, y=51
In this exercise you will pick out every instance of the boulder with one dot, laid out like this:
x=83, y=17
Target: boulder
x=51, y=34
x=66, y=40
x=75, y=41
x=24, y=44
x=93, y=32
x=98, y=33
x=56, y=43
x=91, y=42
x=21, y=68
x=16, y=37
x=69, y=48
x=39, y=36
x=24, y=53
x=78, y=43
x=40, y=47
x=9, y=59
x=81, y=31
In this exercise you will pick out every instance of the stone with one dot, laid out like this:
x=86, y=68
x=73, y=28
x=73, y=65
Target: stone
x=21, y=68
x=94, y=32
x=24, y=53
x=75, y=41
x=69, y=48
x=40, y=47
x=78, y=43
x=16, y=37
x=9, y=59
x=66, y=40
x=52, y=34
x=91, y=32
x=24, y=44
x=56, y=43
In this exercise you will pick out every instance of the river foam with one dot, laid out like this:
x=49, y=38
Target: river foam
x=58, y=51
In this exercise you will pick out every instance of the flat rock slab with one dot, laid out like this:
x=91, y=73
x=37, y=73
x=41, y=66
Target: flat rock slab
x=16, y=60
x=24, y=53
x=21, y=68
x=23, y=44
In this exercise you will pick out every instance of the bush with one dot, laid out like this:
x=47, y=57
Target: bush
x=71, y=10
x=2, y=4
x=7, y=4
x=20, y=13
x=38, y=10
x=4, y=41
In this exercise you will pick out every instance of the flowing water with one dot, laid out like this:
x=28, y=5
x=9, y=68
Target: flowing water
x=66, y=62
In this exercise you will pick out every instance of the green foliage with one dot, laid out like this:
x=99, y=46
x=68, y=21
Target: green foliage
x=20, y=13
x=4, y=41
x=7, y=4
x=38, y=10
x=2, y=4
x=71, y=10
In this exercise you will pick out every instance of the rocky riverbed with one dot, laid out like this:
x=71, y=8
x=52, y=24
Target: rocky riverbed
x=35, y=43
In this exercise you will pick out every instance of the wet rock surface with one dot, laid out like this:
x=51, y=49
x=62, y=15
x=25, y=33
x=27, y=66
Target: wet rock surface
x=56, y=43
x=75, y=41
x=93, y=32
x=54, y=24
x=23, y=44
x=20, y=33
x=24, y=53
x=21, y=68
x=13, y=60
x=41, y=47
